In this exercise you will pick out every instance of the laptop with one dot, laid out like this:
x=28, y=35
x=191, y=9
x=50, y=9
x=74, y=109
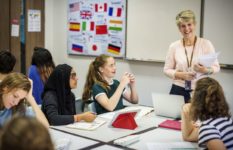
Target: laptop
x=167, y=105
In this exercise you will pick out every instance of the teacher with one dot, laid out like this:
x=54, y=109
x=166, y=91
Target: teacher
x=182, y=64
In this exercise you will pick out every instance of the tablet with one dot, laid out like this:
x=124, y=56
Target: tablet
x=125, y=119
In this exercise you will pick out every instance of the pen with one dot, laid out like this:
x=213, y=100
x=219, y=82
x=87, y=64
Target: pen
x=94, y=113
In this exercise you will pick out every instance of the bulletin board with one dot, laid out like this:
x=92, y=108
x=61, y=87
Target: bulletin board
x=96, y=27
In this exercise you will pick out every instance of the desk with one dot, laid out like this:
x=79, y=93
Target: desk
x=106, y=133
x=159, y=135
x=107, y=147
x=103, y=137
x=75, y=141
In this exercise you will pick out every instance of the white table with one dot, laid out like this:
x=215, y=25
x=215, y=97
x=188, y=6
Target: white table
x=76, y=142
x=105, y=133
x=159, y=135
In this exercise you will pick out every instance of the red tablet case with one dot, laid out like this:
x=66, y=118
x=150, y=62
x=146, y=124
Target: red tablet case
x=171, y=124
x=125, y=121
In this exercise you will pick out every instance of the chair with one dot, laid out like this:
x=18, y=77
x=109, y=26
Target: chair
x=83, y=106
x=79, y=106
x=91, y=106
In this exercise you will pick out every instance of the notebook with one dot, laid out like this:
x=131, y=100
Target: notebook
x=167, y=105
x=87, y=125
x=171, y=124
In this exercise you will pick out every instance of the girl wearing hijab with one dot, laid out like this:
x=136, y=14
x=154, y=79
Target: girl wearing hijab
x=58, y=102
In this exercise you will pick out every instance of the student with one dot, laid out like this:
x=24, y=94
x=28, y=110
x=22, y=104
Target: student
x=41, y=67
x=181, y=63
x=106, y=91
x=15, y=91
x=58, y=101
x=24, y=133
x=209, y=106
x=7, y=63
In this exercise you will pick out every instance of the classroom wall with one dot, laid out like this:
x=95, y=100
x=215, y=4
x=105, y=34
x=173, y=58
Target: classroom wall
x=149, y=75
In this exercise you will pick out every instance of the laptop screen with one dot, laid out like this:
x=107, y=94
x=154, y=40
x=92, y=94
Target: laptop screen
x=167, y=105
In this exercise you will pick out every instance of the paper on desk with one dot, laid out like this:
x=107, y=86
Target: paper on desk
x=87, y=125
x=171, y=145
x=208, y=60
x=144, y=110
x=62, y=144
x=108, y=115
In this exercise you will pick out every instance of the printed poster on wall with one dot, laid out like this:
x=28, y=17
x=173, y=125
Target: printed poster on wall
x=96, y=27
x=34, y=20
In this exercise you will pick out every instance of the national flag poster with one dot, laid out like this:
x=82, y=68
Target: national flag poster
x=96, y=27
x=116, y=12
x=77, y=48
x=101, y=29
x=74, y=7
x=86, y=14
x=114, y=49
x=88, y=26
x=115, y=25
x=95, y=48
x=74, y=26
x=101, y=7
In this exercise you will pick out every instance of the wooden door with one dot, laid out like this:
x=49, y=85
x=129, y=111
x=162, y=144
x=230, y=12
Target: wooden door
x=12, y=12
x=4, y=24
x=34, y=38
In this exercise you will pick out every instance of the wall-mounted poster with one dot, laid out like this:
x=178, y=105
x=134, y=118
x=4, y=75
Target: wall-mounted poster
x=97, y=27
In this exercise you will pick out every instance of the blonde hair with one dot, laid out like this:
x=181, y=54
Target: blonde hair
x=11, y=82
x=185, y=16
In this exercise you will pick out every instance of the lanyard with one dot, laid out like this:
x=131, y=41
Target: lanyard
x=189, y=62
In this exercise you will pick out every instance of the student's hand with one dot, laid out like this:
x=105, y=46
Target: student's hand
x=132, y=78
x=125, y=79
x=29, y=96
x=88, y=116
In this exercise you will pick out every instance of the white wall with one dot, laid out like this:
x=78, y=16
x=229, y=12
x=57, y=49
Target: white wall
x=149, y=75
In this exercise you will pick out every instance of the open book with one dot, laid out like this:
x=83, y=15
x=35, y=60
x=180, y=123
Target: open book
x=87, y=125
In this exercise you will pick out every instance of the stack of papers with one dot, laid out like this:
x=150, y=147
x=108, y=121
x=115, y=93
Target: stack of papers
x=208, y=60
x=87, y=125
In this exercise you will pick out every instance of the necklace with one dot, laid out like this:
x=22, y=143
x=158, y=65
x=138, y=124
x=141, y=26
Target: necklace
x=189, y=62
